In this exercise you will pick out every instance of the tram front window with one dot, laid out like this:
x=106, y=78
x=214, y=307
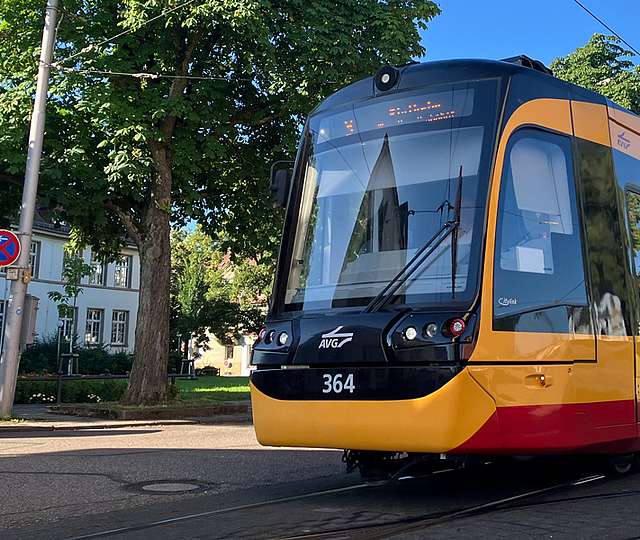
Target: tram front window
x=378, y=181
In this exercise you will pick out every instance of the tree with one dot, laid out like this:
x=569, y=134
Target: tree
x=73, y=270
x=211, y=293
x=603, y=66
x=218, y=91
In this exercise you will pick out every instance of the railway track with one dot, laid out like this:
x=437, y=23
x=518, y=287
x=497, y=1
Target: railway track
x=391, y=527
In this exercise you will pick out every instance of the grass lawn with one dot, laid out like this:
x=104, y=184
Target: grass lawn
x=214, y=388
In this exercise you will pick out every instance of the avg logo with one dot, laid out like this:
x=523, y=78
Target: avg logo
x=335, y=339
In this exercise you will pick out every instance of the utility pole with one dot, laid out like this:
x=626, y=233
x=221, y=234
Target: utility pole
x=15, y=307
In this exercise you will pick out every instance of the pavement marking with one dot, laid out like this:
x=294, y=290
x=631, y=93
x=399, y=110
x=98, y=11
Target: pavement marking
x=588, y=479
x=220, y=511
x=170, y=487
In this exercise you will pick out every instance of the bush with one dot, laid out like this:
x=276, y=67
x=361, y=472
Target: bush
x=42, y=358
x=72, y=391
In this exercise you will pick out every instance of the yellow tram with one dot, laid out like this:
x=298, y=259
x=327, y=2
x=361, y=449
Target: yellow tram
x=458, y=271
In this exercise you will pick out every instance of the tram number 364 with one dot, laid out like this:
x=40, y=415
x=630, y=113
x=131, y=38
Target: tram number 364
x=336, y=384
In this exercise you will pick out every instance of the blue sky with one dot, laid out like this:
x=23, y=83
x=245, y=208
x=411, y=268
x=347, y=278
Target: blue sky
x=541, y=29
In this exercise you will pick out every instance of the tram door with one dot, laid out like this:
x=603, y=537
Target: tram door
x=610, y=383
x=536, y=328
x=624, y=131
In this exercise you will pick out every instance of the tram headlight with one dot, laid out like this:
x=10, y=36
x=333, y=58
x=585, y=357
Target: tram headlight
x=431, y=330
x=283, y=338
x=270, y=337
x=410, y=333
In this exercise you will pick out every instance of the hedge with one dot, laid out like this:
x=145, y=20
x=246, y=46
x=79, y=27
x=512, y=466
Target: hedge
x=42, y=358
x=72, y=391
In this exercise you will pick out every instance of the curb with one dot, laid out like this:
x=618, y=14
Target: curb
x=83, y=426
x=160, y=413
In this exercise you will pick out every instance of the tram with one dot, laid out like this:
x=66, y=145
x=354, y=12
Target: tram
x=458, y=273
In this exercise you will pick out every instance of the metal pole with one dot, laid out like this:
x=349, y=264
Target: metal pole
x=15, y=308
x=59, y=361
x=5, y=307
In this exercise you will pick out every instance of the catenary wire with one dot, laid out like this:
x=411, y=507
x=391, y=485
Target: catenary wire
x=92, y=46
x=607, y=27
x=139, y=75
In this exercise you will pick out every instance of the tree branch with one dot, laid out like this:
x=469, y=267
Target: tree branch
x=185, y=49
x=10, y=179
x=133, y=229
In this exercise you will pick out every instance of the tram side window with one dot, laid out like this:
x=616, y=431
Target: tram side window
x=633, y=212
x=538, y=259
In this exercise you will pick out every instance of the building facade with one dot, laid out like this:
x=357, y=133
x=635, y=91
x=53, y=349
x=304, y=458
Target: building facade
x=106, y=310
x=231, y=360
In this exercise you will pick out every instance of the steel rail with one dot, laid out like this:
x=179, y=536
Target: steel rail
x=373, y=531
x=392, y=528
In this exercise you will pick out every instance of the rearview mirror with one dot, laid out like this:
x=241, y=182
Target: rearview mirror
x=281, y=175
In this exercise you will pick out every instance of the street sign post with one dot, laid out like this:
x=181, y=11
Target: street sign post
x=14, y=309
x=9, y=248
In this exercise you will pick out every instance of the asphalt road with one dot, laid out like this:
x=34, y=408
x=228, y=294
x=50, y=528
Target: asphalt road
x=89, y=484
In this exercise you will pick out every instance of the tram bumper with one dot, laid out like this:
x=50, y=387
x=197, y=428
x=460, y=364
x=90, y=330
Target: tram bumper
x=439, y=421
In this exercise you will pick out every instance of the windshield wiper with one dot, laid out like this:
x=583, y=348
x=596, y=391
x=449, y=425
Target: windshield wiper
x=423, y=253
x=454, y=238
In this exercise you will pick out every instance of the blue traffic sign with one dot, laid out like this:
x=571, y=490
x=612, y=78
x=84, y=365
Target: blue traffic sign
x=9, y=248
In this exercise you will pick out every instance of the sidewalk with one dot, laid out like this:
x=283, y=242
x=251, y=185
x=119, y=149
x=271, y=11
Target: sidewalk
x=38, y=418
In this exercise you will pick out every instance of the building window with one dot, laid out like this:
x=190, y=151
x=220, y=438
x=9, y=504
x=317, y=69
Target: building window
x=538, y=259
x=99, y=271
x=70, y=325
x=122, y=273
x=228, y=352
x=119, y=327
x=93, y=333
x=34, y=258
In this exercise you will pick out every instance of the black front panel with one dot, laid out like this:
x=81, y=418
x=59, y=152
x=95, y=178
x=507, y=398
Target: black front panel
x=344, y=339
x=365, y=339
x=382, y=383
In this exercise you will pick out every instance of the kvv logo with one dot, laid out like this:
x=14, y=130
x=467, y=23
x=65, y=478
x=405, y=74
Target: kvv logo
x=335, y=339
x=623, y=142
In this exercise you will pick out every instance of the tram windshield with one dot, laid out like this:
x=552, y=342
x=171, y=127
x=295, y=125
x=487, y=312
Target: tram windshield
x=379, y=180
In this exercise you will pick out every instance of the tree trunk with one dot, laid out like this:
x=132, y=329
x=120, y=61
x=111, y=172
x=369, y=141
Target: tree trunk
x=148, y=380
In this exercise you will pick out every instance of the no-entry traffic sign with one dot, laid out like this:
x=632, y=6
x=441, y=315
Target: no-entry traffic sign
x=9, y=248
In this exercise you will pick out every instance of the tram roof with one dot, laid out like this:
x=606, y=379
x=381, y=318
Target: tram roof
x=414, y=76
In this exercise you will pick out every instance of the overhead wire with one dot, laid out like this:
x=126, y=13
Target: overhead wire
x=140, y=75
x=585, y=8
x=92, y=46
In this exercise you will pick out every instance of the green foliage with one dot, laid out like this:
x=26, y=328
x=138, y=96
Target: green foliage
x=211, y=292
x=272, y=62
x=128, y=154
x=72, y=391
x=603, y=66
x=42, y=358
